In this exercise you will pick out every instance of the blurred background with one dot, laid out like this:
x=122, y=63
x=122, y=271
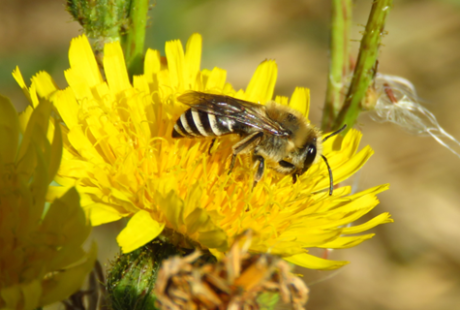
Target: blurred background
x=413, y=263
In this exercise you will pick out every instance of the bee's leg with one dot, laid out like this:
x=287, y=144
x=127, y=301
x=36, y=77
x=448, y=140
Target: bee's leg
x=245, y=146
x=294, y=178
x=232, y=163
x=211, y=145
x=260, y=162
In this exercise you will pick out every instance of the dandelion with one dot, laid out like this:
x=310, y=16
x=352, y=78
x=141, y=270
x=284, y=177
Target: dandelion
x=41, y=255
x=119, y=154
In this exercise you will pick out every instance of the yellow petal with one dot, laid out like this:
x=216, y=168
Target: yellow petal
x=11, y=296
x=346, y=242
x=9, y=131
x=79, y=87
x=100, y=213
x=311, y=237
x=31, y=293
x=178, y=72
x=282, y=100
x=20, y=80
x=152, y=63
x=82, y=60
x=300, y=100
x=55, y=153
x=216, y=80
x=63, y=284
x=193, y=54
x=140, y=230
x=347, y=169
x=214, y=239
x=24, y=117
x=173, y=208
x=38, y=124
x=262, y=84
x=115, y=68
x=44, y=84
x=379, y=219
x=66, y=209
x=68, y=108
x=312, y=262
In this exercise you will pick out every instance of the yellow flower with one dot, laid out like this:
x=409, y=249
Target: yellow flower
x=119, y=153
x=41, y=259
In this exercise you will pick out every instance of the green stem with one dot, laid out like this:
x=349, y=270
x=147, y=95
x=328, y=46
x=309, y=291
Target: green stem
x=339, y=63
x=365, y=67
x=133, y=40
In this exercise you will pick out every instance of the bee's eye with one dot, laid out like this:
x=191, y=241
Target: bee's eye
x=285, y=164
x=310, y=156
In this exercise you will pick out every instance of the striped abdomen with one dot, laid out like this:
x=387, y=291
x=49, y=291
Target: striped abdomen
x=196, y=123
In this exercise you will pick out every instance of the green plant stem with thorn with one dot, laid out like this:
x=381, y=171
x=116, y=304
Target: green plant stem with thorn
x=364, y=71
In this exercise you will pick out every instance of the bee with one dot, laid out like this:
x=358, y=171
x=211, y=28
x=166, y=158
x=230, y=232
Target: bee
x=278, y=136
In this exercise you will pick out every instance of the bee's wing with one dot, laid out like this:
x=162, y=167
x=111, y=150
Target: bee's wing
x=241, y=111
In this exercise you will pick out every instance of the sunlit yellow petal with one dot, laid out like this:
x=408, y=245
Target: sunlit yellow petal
x=141, y=229
x=313, y=262
x=193, y=54
x=115, y=68
x=262, y=84
x=152, y=63
x=82, y=60
x=100, y=213
x=300, y=100
x=378, y=220
x=346, y=242
x=20, y=80
x=178, y=71
x=44, y=84
x=216, y=80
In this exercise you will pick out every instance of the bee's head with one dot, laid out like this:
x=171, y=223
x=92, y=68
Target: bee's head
x=299, y=160
x=309, y=153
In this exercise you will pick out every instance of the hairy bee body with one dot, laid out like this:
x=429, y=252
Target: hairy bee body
x=277, y=136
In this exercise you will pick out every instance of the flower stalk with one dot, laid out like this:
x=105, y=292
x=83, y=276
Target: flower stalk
x=117, y=20
x=134, y=37
x=339, y=60
x=365, y=68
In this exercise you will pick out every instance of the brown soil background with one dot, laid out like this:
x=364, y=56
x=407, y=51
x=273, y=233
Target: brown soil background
x=413, y=263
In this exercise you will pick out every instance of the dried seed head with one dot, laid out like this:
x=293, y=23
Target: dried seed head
x=240, y=281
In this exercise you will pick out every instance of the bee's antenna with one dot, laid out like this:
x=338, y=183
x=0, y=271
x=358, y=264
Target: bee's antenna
x=335, y=132
x=331, y=183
